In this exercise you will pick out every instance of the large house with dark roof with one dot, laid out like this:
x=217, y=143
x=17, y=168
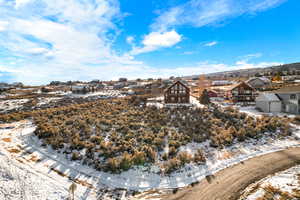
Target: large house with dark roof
x=241, y=92
x=177, y=93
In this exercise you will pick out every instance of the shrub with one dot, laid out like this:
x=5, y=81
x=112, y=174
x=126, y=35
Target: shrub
x=199, y=156
x=76, y=156
x=184, y=157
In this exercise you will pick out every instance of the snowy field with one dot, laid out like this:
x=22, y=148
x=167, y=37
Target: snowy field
x=7, y=105
x=45, y=169
x=250, y=110
x=158, y=102
x=286, y=181
x=101, y=94
x=27, y=171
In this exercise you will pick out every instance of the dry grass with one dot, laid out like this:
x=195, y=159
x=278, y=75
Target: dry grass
x=13, y=150
x=6, y=139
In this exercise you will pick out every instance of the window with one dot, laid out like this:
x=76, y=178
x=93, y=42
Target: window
x=293, y=96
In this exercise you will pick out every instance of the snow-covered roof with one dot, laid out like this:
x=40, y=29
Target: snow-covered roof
x=267, y=97
x=263, y=79
x=221, y=82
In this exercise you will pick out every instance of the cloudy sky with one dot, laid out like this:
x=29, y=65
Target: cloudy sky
x=44, y=40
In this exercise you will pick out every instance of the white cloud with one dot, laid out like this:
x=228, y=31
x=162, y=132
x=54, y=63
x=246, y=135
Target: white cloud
x=130, y=40
x=3, y=25
x=200, y=13
x=157, y=40
x=61, y=40
x=210, y=44
x=20, y=3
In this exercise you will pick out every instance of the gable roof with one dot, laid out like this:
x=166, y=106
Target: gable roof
x=263, y=79
x=267, y=97
x=180, y=82
x=239, y=84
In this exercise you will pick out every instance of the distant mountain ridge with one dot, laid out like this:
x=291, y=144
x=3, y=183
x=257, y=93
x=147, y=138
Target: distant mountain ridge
x=252, y=71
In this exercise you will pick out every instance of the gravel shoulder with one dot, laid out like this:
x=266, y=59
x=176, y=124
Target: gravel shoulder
x=229, y=183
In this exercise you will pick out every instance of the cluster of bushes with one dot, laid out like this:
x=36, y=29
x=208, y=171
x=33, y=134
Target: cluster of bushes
x=181, y=159
x=275, y=193
x=116, y=135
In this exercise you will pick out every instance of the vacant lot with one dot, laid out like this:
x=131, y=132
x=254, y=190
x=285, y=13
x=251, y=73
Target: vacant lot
x=114, y=135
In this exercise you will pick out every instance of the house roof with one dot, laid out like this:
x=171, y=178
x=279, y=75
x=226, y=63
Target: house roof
x=231, y=87
x=180, y=82
x=221, y=82
x=289, y=89
x=267, y=97
x=263, y=79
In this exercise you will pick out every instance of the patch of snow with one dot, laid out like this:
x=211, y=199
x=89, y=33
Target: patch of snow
x=286, y=181
x=101, y=94
x=252, y=111
x=44, y=101
x=8, y=105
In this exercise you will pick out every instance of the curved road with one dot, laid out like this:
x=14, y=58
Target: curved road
x=228, y=184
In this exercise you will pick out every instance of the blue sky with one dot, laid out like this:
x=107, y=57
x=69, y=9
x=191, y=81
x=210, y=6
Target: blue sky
x=44, y=40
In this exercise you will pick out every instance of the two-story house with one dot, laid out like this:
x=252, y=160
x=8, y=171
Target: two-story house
x=287, y=97
x=290, y=98
x=241, y=92
x=177, y=93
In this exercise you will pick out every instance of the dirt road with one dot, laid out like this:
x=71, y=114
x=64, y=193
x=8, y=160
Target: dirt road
x=230, y=182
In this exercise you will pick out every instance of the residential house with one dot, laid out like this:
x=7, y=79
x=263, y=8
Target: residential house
x=259, y=83
x=241, y=92
x=290, y=98
x=83, y=89
x=268, y=102
x=212, y=93
x=157, y=88
x=177, y=93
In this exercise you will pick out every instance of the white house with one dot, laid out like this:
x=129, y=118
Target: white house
x=268, y=102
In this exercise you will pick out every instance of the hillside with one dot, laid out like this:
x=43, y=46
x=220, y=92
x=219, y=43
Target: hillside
x=252, y=71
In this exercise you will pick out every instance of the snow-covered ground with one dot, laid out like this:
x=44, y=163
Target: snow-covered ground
x=286, y=181
x=27, y=171
x=43, y=100
x=159, y=102
x=101, y=94
x=251, y=110
x=22, y=147
x=7, y=105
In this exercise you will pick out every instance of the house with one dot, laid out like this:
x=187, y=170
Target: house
x=259, y=83
x=177, y=93
x=290, y=98
x=83, y=89
x=241, y=92
x=17, y=84
x=212, y=93
x=268, y=102
x=157, y=88
x=119, y=85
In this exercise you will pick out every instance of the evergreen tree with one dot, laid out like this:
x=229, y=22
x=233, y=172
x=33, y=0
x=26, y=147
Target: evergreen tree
x=204, y=98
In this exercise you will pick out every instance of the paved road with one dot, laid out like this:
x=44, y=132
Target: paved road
x=230, y=182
